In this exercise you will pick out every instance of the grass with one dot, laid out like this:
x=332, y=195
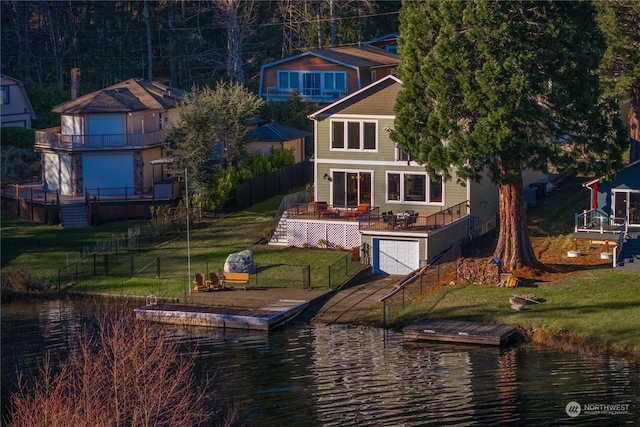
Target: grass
x=43, y=250
x=596, y=309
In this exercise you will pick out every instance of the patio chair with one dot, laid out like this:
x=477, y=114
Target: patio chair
x=362, y=208
x=410, y=220
x=390, y=219
x=199, y=284
x=214, y=281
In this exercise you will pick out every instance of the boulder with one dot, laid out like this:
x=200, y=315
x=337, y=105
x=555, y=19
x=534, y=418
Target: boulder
x=240, y=262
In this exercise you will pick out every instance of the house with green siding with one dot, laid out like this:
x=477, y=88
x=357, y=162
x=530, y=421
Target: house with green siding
x=368, y=193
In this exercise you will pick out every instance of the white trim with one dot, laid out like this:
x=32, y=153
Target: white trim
x=393, y=163
x=427, y=190
x=360, y=134
x=314, y=116
x=361, y=117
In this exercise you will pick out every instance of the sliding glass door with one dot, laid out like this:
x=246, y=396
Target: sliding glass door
x=351, y=189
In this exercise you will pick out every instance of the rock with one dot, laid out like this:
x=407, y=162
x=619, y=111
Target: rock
x=240, y=262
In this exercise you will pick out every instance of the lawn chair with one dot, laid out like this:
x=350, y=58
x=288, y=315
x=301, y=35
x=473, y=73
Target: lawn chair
x=199, y=284
x=214, y=282
x=409, y=220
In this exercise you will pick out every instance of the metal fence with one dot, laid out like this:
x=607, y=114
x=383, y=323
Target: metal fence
x=440, y=272
x=344, y=268
x=273, y=184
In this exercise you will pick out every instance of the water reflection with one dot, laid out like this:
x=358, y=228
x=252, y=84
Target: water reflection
x=318, y=375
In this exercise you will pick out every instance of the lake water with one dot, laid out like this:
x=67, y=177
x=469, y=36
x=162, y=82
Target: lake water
x=339, y=375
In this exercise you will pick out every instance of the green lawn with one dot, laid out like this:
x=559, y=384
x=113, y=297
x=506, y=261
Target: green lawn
x=44, y=250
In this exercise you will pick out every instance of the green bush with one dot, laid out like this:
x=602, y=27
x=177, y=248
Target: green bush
x=17, y=137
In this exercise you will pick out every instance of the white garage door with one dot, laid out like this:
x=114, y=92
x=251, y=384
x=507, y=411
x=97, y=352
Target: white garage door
x=108, y=171
x=398, y=256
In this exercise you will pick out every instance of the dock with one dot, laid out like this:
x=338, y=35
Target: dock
x=459, y=331
x=263, y=318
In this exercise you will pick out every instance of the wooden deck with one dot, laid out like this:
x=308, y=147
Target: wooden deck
x=264, y=318
x=459, y=331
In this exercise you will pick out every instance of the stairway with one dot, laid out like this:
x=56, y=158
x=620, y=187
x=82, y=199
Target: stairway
x=629, y=257
x=279, y=236
x=74, y=215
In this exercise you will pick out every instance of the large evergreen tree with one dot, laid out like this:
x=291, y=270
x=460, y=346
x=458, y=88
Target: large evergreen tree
x=496, y=87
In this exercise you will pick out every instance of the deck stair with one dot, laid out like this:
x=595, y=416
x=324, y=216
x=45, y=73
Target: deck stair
x=74, y=214
x=279, y=236
x=629, y=257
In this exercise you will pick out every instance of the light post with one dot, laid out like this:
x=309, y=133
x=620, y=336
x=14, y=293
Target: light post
x=186, y=186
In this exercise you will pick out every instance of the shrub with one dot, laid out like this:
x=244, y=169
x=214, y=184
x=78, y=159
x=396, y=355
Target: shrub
x=17, y=137
x=125, y=373
x=22, y=280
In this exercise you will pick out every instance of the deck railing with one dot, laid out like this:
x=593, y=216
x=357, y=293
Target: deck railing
x=54, y=139
x=424, y=222
x=311, y=95
x=593, y=221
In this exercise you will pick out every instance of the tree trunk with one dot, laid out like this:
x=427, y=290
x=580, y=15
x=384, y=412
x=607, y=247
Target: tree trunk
x=514, y=248
x=149, y=45
x=318, y=24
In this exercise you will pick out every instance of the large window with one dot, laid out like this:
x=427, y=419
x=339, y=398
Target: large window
x=350, y=188
x=4, y=95
x=358, y=135
x=413, y=187
x=313, y=83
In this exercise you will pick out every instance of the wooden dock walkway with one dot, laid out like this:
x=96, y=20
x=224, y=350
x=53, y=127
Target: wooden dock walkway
x=264, y=318
x=459, y=331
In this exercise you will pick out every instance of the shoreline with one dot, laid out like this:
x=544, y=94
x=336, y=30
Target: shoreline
x=557, y=339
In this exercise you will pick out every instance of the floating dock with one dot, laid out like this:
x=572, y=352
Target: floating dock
x=459, y=331
x=264, y=318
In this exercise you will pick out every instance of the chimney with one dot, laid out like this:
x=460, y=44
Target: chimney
x=75, y=83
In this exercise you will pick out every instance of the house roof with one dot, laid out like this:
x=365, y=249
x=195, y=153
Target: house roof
x=24, y=92
x=626, y=179
x=130, y=95
x=362, y=93
x=354, y=57
x=390, y=36
x=275, y=132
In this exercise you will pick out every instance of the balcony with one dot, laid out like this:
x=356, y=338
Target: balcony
x=308, y=95
x=375, y=221
x=53, y=139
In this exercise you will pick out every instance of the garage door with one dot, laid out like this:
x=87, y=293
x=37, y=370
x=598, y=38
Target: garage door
x=108, y=171
x=397, y=256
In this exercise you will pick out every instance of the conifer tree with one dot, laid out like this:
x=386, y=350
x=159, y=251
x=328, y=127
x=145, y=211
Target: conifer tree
x=497, y=87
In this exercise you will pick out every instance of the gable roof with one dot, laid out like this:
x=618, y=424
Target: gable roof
x=130, y=95
x=18, y=83
x=365, y=92
x=630, y=174
x=353, y=57
x=275, y=132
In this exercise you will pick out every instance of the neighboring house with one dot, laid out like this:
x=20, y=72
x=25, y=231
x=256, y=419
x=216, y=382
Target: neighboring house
x=326, y=75
x=614, y=216
x=108, y=139
x=357, y=164
x=614, y=202
x=388, y=42
x=15, y=107
x=273, y=135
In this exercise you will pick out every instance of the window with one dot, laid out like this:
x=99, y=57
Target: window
x=373, y=75
x=350, y=188
x=402, y=155
x=413, y=187
x=313, y=83
x=359, y=135
x=4, y=95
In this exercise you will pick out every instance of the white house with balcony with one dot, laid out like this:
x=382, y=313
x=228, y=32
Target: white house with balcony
x=108, y=139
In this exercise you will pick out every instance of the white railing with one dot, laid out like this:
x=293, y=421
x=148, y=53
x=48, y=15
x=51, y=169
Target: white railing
x=592, y=221
x=48, y=139
x=331, y=95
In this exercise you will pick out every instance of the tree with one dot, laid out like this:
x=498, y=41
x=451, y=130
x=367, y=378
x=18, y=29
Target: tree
x=497, y=87
x=213, y=116
x=619, y=21
x=125, y=373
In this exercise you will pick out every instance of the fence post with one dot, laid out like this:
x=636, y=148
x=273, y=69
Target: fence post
x=131, y=260
x=346, y=265
x=106, y=264
x=95, y=264
x=59, y=280
x=158, y=267
x=76, y=278
x=308, y=278
x=31, y=202
x=329, y=276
